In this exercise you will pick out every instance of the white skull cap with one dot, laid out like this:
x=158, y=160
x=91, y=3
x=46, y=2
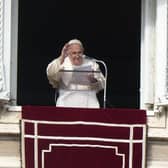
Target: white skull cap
x=75, y=41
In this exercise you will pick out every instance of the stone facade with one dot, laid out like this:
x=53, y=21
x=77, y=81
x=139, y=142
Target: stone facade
x=10, y=144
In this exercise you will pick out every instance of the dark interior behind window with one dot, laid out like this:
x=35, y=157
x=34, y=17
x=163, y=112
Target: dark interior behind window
x=109, y=31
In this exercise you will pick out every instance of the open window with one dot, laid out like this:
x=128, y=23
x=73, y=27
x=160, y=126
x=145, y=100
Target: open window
x=112, y=36
x=26, y=54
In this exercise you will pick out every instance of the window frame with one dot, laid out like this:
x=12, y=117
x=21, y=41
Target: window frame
x=154, y=59
x=8, y=45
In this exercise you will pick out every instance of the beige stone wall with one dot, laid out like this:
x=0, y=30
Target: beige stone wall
x=10, y=145
x=10, y=139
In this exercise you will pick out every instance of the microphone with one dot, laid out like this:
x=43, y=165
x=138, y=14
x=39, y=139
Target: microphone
x=105, y=75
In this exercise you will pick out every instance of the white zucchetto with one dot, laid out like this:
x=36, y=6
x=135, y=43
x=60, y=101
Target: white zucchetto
x=75, y=41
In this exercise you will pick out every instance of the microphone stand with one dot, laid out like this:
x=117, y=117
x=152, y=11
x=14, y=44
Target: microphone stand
x=105, y=85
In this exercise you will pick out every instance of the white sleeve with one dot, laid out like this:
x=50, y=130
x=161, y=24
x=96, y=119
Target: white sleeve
x=53, y=72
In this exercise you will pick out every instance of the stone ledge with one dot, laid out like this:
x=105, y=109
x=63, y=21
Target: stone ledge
x=157, y=150
x=10, y=153
x=9, y=129
x=9, y=122
x=157, y=164
x=10, y=117
x=10, y=162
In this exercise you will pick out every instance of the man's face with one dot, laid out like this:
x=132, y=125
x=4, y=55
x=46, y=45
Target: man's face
x=75, y=52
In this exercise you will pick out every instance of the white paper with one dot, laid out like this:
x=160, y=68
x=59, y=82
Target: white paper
x=81, y=75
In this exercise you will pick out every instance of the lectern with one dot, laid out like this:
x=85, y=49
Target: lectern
x=78, y=87
x=83, y=138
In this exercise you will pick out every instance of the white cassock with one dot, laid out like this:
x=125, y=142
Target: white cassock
x=72, y=93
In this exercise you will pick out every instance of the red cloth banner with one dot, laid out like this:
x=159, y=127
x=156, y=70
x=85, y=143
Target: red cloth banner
x=86, y=138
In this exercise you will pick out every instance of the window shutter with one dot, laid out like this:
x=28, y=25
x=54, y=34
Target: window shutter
x=4, y=64
x=8, y=50
x=154, y=55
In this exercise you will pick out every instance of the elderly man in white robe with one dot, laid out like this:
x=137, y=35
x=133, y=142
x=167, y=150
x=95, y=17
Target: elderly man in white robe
x=79, y=92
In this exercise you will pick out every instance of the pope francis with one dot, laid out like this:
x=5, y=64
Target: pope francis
x=77, y=77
